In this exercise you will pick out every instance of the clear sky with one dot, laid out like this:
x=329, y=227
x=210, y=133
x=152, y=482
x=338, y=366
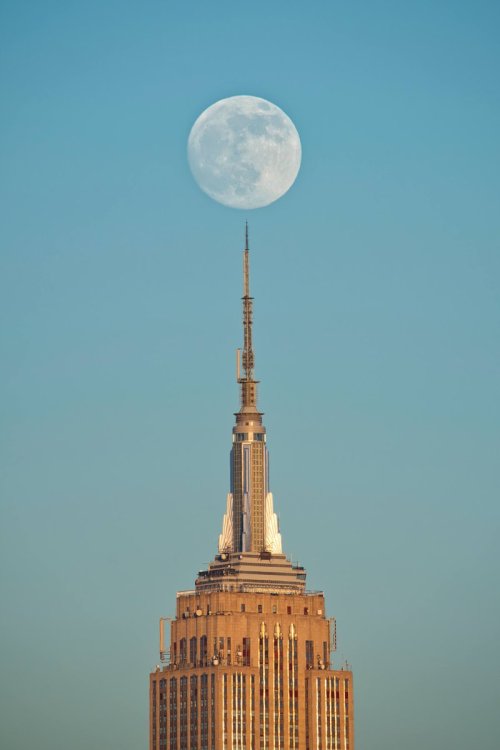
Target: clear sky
x=377, y=320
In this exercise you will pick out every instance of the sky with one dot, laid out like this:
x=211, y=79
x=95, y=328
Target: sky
x=377, y=316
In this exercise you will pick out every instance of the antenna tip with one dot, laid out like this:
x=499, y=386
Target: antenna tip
x=246, y=235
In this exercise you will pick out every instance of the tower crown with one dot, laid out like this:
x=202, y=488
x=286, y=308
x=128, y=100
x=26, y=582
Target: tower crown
x=250, y=551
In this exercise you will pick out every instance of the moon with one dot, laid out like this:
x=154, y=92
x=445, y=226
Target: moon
x=244, y=152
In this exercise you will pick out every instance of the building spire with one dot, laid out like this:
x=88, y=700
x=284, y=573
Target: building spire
x=247, y=382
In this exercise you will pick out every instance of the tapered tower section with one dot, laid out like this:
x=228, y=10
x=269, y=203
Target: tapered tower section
x=249, y=663
x=250, y=524
x=250, y=549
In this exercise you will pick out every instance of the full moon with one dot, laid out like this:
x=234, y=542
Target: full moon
x=244, y=152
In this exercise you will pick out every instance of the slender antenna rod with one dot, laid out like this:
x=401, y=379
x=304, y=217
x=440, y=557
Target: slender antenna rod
x=246, y=269
x=248, y=356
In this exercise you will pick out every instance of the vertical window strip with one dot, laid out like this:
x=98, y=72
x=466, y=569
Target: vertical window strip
x=212, y=711
x=325, y=706
x=204, y=712
x=163, y=714
x=233, y=712
x=237, y=712
x=224, y=711
x=291, y=690
x=203, y=650
x=184, y=713
x=193, y=712
x=296, y=690
x=337, y=715
x=319, y=722
x=309, y=654
x=308, y=747
x=278, y=689
x=193, y=648
x=153, y=717
x=252, y=713
x=331, y=727
x=244, y=710
x=264, y=688
x=346, y=714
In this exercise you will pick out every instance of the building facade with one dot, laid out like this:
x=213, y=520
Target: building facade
x=249, y=661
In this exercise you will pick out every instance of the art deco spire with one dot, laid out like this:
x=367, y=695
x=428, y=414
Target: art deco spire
x=250, y=524
x=246, y=379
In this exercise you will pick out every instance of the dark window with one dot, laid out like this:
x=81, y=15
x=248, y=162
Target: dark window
x=259, y=608
x=182, y=650
x=203, y=650
x=309, y=654
x=193, y=651
x=246, y=652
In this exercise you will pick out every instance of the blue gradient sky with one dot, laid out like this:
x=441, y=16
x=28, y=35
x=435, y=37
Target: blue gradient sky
x=377, y=317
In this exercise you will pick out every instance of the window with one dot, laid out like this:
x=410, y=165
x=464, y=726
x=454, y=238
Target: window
x=246, y=652
x=309, y=654
x=289, y=610
x=306, y=610
x=259, y=608
x=193, y=651
x=203, y=650
x=243, y=607
x=275, y=609
x=182, y=650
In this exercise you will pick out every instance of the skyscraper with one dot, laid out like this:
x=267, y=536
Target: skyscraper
x=249, y=665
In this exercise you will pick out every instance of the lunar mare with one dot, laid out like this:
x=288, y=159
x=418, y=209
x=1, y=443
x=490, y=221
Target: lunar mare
x=244, y=152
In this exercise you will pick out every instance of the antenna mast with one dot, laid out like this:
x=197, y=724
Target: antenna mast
x=247, y=382
x=248, y=357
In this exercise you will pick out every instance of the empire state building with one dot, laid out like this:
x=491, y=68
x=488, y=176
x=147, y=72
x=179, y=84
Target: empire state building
x=249, y=663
